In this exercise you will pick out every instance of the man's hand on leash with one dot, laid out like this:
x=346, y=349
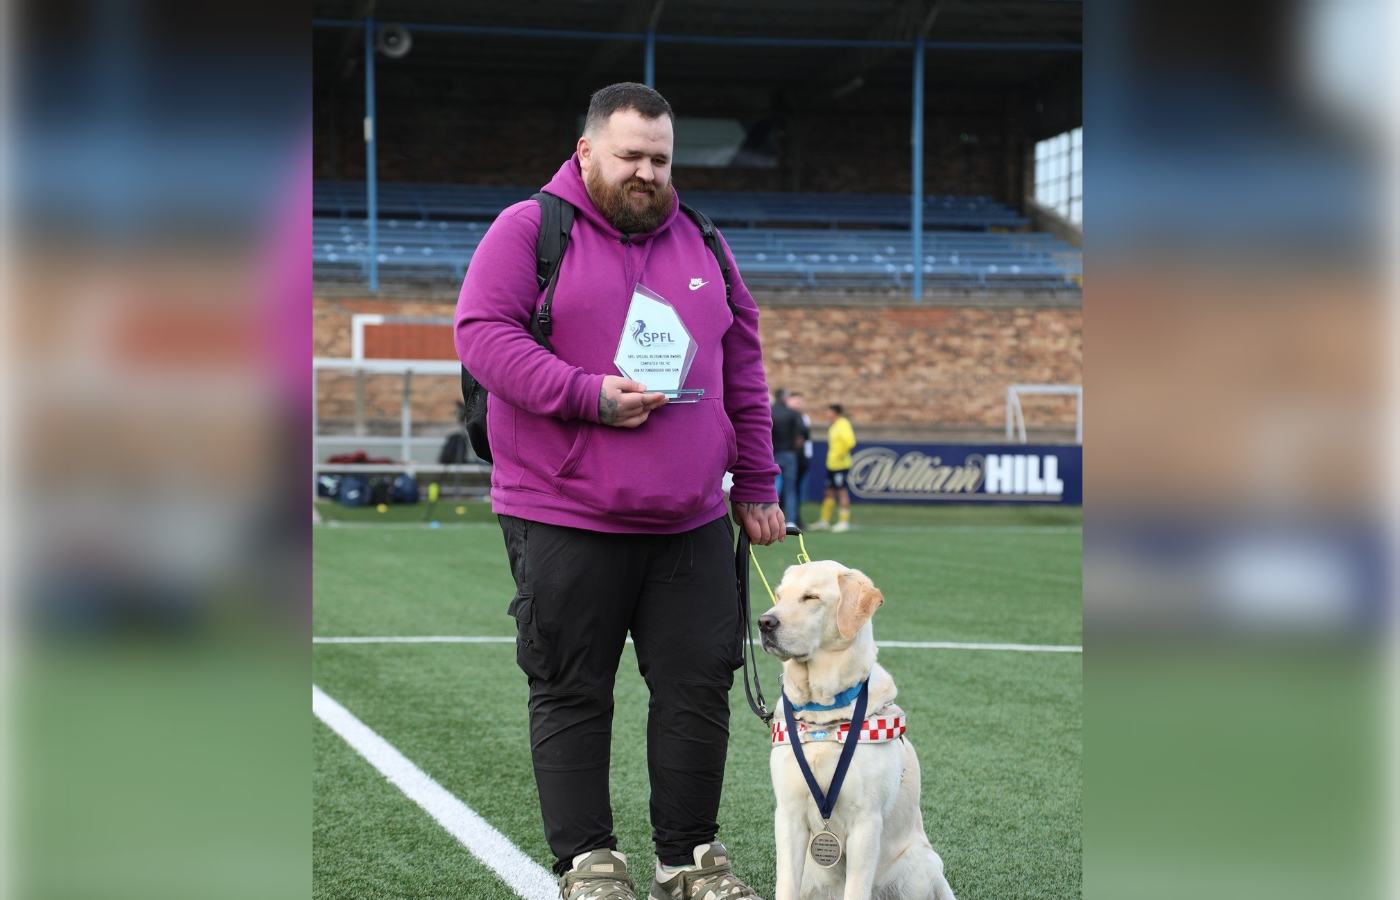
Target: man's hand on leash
x=625, y=403
x=762, y=521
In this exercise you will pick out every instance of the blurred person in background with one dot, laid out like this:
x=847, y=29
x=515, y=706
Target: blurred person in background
x=610, y=499
x=787, y=448
x=841, y=440
x=804, y=454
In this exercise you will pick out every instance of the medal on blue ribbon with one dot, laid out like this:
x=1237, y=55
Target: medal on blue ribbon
x=825, y=847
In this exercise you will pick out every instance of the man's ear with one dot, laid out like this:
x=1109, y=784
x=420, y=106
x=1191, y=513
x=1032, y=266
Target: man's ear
x=859, y=600
x=585, y=152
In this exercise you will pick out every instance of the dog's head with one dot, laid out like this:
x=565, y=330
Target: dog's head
x=820, y=606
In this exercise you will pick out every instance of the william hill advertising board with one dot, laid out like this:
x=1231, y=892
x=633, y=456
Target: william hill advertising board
x=958, y=473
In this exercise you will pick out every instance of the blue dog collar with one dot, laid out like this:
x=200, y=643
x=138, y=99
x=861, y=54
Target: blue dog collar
x=845, y=698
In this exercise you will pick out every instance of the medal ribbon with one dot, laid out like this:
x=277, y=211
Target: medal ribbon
x=826, y=802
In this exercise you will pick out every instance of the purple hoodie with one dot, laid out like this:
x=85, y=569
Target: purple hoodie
x=554, y=462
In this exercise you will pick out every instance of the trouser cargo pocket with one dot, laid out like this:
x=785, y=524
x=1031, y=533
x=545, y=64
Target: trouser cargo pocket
x=533, y=651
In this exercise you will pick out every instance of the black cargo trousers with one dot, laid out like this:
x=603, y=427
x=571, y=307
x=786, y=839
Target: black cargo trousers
x=578, y=594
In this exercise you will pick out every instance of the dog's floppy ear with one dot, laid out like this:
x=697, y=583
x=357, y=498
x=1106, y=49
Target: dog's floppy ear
x=859, y=600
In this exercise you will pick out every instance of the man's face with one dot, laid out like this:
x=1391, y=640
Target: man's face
x=627, y=169
x=797, y=403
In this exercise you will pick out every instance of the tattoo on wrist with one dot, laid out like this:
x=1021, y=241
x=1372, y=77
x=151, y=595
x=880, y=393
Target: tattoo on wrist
x=607, y=407
x=757, y=507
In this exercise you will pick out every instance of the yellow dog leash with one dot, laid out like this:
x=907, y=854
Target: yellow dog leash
x=744, y=554
x=802, y=557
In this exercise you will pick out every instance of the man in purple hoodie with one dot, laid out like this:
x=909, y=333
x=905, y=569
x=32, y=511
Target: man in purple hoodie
x=610, y=497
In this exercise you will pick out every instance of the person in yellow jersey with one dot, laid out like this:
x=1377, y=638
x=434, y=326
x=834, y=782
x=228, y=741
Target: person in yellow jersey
x=840, y=441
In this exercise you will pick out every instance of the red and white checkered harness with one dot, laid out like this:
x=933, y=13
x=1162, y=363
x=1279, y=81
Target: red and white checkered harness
x=879, y=729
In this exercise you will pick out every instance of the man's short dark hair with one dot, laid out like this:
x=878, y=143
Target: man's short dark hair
x=780, y=394
x=625, y=95
x=836, y=408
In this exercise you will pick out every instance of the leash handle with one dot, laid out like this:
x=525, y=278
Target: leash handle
x=753, y=689
x=802, y=556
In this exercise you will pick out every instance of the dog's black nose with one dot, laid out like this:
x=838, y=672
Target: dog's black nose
x=767, y=623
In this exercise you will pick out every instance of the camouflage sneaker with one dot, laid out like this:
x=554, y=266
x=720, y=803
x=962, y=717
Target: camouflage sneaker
x=709, y=879
x=600, y=875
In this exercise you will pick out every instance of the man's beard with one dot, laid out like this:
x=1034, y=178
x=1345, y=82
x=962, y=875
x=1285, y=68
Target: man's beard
x=627, y=213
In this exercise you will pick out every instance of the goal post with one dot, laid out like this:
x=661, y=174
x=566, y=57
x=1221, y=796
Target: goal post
x=1016, y=416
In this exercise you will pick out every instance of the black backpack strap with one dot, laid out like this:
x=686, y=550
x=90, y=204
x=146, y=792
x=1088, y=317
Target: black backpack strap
x=711, y=238
x=556, y=221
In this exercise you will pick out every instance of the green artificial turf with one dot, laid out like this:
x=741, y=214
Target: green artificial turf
x=998, y=733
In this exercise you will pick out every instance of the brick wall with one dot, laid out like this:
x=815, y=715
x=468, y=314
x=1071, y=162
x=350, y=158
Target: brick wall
x=939, y=369
x=932, y=371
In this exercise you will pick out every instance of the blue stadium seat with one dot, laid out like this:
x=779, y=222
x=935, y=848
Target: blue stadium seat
x=774, y=258
x=750, y=208
x=428, y=233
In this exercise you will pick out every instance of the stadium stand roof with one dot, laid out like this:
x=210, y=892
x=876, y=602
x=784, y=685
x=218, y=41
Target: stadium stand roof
x=972, y=44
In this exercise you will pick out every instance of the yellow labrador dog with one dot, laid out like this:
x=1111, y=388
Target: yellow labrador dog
x=820, y=628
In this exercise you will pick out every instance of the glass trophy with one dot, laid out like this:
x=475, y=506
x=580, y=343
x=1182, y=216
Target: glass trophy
x=655, y=348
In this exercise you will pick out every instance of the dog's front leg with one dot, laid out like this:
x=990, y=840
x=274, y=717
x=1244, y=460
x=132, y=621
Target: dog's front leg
x=790, y=840
x=862, y=860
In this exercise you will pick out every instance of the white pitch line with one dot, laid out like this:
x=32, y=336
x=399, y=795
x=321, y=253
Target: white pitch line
x=963, y=529
x=521, y=873
x=953, y=645
x=915, y=645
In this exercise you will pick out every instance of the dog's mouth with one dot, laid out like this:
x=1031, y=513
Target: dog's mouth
x=773, y=648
